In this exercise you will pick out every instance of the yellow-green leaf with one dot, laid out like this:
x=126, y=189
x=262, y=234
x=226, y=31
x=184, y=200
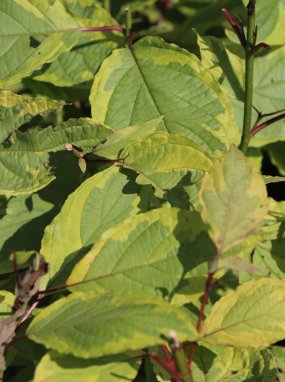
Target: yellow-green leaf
x=251, y=316
x=155, y=79
x=234, y=200
x=148, y=253
x=87, y=325
x=162, y=159
x=66, y=368
x=97, y=205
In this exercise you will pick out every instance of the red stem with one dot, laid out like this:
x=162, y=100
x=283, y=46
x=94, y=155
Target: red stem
x=208, y=288
x=170, y=368
x=205, y=298
x=265, y=124
x=167, y=354
x=237, y=28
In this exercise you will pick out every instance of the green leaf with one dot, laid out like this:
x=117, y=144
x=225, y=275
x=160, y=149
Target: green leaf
x=126, y=91
x=268, y=257
x=81, y=63
x=160, y=240
x=163, y=159
x=269, y=97
x=24, y=165
x=16, y=110
x=97, y=205
x=234, y=201
x=225, y=364
x=83, y=132
x=6, y=303
x=87, y=325
x=226, y=63
x=23, y=25
x=66, y=368
x=278, y=353
x=23, y=172
x=20, y=211
x=251, y=316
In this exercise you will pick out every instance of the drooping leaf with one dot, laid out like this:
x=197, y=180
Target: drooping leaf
x=234, y=201
x=97, y=205
x=268, y=257
x=87, y=325
x=66, y=368
x=20, y=211
x=24, y=165
x=83, y=132
x=163, y=159
x=126, y=91
x=16, y=110
x=251, y=316
x=149, y=253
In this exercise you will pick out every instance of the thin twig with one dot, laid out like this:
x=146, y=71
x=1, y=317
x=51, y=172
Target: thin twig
x=265, y=124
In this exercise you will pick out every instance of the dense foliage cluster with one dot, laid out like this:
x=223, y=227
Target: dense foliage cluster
x=145, y=243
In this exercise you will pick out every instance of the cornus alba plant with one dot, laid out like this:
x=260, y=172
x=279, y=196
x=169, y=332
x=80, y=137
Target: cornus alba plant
x=138, y=238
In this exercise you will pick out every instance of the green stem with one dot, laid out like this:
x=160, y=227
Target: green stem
x=107, y=5
x=128, y=23
x=182, y=366
x=249, y=69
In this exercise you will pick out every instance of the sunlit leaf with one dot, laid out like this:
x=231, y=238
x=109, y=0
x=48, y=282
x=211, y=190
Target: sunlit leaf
x=81, y=63
x=156, y=79
x=251, y=316
x=98, y=204
x=87, y=325
x=148, y=253
x=63, y=368
x=234, y=201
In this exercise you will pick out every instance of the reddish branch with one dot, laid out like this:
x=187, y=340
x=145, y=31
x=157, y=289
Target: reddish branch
x=208, y=288
x=237, y=27
x=265, y=124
